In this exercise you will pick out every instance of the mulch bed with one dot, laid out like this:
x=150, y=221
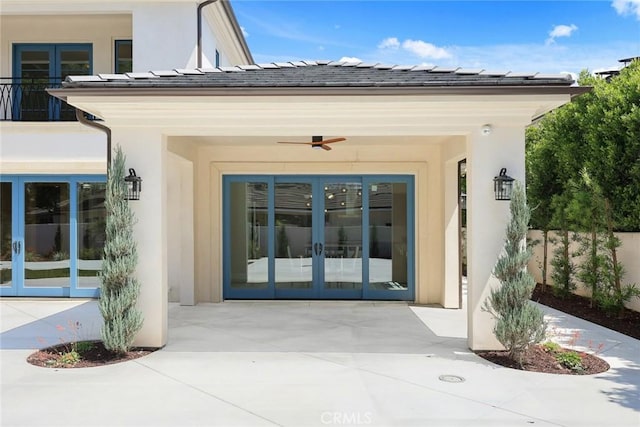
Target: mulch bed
x=580, y=306
x=537, y=359
x=97, y=355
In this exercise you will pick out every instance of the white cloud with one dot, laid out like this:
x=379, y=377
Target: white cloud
x=561, y=31
x=389, y=43
x=391, y=48
x=244, y=32
x=627, y=7
x=424, y=49
x=350, y=59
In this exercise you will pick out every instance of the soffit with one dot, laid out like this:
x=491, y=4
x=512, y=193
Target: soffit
x=304, y=115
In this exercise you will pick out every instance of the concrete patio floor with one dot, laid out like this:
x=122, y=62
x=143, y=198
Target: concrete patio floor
x=300, y=363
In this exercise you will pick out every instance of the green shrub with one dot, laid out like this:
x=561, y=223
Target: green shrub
x=518, y=322
x=571, y=360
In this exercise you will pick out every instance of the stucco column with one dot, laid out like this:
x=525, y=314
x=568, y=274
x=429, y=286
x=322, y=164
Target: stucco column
x=486, y=221
x=146, y=152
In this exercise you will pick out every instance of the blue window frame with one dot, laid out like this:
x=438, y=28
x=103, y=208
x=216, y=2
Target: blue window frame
x=217, y=58
x=51, y=235
x=323, y=237
x=37, y=66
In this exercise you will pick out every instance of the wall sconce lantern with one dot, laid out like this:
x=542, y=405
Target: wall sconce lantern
x=133, y=185
x=503, y=185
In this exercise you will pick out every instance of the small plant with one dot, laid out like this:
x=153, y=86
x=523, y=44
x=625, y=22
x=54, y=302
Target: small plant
x=571, y=360
x=83, y=347
x=551, y=347
x=69, y=358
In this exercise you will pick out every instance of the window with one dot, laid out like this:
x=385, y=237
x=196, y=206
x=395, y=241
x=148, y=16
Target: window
x=217, y=58
x=38, y=66
x=123, y=56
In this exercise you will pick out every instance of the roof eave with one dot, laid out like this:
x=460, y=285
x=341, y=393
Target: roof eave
x=237, y=30
x=110, y=91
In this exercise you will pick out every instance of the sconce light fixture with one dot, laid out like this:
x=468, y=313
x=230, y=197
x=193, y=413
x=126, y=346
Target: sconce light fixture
x=133, y=185
x=486, y=129
x=503, y=185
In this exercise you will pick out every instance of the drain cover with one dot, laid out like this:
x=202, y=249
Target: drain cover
x=451, y=378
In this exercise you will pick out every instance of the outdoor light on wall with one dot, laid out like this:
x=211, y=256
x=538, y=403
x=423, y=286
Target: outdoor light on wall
x=486, y=130
x=133, y=185
x=503, y=185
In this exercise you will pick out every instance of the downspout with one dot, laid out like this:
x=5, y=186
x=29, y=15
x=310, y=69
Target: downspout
x=82, y=119
x=199, y=44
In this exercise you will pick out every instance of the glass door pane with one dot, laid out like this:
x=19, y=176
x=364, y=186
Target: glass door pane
x=342, y=224
x=72, y=60
x=248, y=229
x=388, y=261
x=46, y=234
x=6, y=234
x=35, y=66
x=293, y=236
x=91, y=232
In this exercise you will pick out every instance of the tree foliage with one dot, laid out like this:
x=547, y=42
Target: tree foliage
x=518, y=322
x=598, y=133
x=120, y=289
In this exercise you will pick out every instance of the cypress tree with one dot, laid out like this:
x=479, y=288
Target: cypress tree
x=518, y=322
x=120, y=289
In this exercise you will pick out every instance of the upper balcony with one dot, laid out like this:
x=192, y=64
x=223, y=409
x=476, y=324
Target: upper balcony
x=26, y=100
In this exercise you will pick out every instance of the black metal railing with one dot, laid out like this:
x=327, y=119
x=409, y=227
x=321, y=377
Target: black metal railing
x=26, y=100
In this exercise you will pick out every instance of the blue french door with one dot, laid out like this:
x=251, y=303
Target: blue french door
x=38, y=66
x=318, y=237
x=51, y=235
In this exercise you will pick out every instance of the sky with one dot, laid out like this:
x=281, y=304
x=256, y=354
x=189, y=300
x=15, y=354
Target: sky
x=524, y=36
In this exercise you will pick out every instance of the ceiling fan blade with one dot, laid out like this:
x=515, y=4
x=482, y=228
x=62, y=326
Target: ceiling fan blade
x=295, y=142
x=332, y=140
x=325, y=147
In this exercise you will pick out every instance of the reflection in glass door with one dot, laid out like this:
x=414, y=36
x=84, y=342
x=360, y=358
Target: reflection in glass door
x=342, y=224
x=7, y=243
x=318, y=237
x=52, y=232
x=46, y=234
x=293, y=236
x=388, y=237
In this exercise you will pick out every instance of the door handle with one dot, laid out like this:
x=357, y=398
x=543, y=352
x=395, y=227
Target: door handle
x=315, y=249
x=320, y=246
x=17, y=247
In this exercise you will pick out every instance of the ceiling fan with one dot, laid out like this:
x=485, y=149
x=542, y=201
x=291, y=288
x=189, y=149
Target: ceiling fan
x=316, y=142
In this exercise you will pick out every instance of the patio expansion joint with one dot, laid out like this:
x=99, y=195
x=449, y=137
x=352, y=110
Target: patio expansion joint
x=206, y=393
x=432, y=389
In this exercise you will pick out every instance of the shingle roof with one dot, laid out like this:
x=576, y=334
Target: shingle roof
x=318, y=74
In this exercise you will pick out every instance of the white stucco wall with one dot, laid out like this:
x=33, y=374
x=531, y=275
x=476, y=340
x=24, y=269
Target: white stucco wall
x=180, y=256
x=146, y=152
x=628, y=255
x=164, y=36
x=487, y=219
x=51, y=148
x=99, y=30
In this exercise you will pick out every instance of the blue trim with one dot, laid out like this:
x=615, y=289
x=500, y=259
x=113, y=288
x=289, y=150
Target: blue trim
x=18, y=287
x=317, y=291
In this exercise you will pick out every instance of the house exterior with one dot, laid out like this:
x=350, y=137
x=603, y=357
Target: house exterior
x=229, y=212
